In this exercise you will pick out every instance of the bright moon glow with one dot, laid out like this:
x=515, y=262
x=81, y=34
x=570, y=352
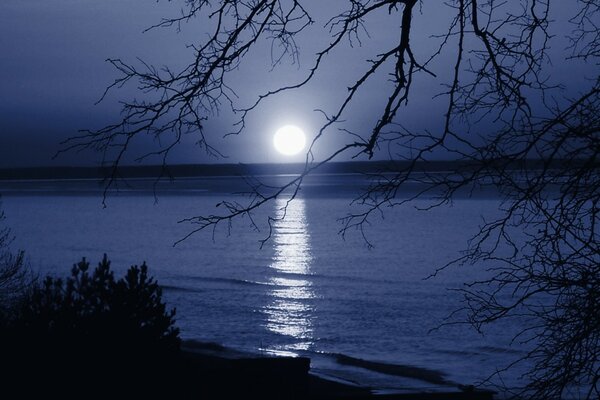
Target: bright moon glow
x=289, y=140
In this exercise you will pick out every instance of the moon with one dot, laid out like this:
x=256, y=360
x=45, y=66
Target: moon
x=289, y=140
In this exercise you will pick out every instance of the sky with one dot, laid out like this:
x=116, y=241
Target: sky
x=53, y=70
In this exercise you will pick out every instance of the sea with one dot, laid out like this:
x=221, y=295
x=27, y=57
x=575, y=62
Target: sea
x=369, y=315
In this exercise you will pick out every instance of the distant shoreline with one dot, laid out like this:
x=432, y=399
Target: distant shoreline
x=233, y=170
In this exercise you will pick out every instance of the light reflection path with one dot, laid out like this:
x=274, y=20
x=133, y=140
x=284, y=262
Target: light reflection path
x=290, y=311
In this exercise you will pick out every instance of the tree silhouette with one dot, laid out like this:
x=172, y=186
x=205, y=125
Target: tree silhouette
x=92, y=333
x=96, y=307
x=507, y=122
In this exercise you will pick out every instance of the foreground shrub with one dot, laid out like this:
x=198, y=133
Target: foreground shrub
x=15, y=276
x=128, y=311
x=92, y=329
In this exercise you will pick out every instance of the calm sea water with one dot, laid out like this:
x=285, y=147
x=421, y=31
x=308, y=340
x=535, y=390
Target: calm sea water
x=307, y=291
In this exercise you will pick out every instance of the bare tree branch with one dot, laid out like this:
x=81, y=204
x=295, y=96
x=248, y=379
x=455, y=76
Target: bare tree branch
x=507, y=123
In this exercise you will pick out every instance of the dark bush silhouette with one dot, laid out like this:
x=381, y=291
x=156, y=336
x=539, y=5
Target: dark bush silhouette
x=15, y=276
x=128, y=311
x=93, y=332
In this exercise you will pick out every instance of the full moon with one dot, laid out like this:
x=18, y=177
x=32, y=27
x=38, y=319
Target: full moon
x=289, y=140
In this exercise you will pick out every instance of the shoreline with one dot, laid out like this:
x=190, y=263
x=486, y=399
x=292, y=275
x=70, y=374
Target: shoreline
x=292, y=377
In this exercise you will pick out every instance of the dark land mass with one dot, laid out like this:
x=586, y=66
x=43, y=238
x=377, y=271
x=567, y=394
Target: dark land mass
x=220, y=170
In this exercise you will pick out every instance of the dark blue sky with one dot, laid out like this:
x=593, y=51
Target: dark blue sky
x=52, y=70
